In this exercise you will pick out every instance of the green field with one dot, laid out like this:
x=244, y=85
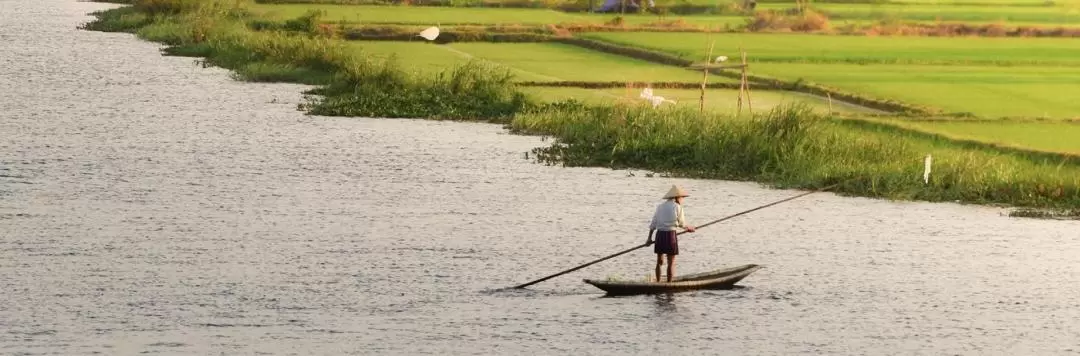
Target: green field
x=1026, y=15
x=811, y=48
x=362, y=14
x=982, y=90
x=545, y=62
x=1063, y=137
x=722, y=100
x=989, y=77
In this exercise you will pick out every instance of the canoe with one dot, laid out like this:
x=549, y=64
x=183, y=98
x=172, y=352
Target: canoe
x=718, y=279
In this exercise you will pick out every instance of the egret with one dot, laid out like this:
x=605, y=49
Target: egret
x=657, y=100
x=430, y=33
x=647, y=94
x=721, y=59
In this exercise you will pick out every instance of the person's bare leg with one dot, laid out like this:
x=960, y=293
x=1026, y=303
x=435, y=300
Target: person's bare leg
x=670, y=267
x=659, y=262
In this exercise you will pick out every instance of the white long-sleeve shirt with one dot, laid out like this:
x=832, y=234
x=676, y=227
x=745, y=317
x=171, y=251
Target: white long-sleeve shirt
x=668, y=216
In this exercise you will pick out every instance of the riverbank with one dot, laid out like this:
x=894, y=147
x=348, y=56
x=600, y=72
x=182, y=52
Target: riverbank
x=787, y=147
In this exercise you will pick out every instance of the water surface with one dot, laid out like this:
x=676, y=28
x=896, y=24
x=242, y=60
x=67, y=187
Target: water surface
x=151, y=205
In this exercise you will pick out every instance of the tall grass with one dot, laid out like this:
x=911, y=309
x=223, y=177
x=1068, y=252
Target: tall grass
x=473, y=91
x=791, y=146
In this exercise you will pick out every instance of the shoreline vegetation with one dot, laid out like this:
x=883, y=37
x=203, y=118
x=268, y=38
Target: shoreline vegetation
x=789, y=146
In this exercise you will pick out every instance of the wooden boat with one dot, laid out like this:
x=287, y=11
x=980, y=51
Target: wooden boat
x=718, y=279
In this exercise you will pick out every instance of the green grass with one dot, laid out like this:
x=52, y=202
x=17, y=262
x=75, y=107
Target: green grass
x=858, y=49
x=556, y=61
x=458, y=15
x=542, y=62
x=986, y=91
x=717, y=100
x=791, y=147
x=411, y=56
x=1063, y=137
x=1009, y=14
x=1013, y=77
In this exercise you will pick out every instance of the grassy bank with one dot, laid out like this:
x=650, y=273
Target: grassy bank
x=789, y=147
x=353, y=84
x=794, y=147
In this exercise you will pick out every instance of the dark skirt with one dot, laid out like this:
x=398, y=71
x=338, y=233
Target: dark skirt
x=666, y=243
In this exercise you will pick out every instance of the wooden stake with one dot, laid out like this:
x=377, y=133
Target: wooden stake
x=830, y=102
x=745, y=84
x=742, y=86
x=705, y=77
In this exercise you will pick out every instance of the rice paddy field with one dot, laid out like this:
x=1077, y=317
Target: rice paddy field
x=361, y=14
x=723, y=100
x=1062, y=137
x=542, y=62
x=553, y=62
x=1020, y=15
x=989, y=77
x=811, y=48
x=981, y=76
x=986, y=91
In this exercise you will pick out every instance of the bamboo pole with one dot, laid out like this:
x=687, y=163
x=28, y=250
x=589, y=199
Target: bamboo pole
x=705, y=76
x=745, y=84
x=742, y=86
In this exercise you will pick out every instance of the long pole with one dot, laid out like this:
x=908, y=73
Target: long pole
x=679, y=233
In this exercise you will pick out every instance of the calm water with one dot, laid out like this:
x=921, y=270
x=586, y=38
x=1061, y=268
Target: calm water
x=150, y=205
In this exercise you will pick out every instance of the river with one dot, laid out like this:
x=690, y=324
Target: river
x=149, y=205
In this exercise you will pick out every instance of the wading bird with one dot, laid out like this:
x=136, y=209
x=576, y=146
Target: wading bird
x=647, y=94
x=430, y=33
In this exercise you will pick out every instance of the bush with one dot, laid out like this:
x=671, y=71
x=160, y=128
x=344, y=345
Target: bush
x=771, y=20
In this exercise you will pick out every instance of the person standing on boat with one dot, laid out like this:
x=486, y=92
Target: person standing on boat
x=668, y=217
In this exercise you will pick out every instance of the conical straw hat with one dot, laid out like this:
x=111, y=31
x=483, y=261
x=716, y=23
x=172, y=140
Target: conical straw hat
x=675, y=192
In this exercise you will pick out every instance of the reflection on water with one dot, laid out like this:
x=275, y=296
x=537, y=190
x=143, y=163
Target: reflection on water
x=149, y=205
x=665, y=303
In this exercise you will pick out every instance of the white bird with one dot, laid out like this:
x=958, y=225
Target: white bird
x=657, y=100
x=926, y=169
x=647, y=94
x=430, y=33
x=721, y=59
